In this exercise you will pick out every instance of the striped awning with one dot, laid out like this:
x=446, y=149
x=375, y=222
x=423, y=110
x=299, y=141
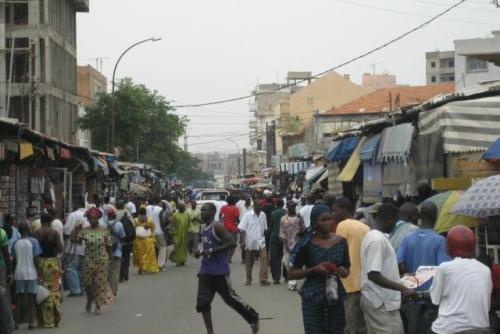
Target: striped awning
x=466, y=126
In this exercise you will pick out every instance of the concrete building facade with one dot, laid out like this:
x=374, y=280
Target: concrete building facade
x=439, y=67
x=477, y=60
x=38, y=84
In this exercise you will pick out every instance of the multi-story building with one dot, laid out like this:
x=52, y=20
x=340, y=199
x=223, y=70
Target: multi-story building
x=90, y=82
x=440, y=67
x=38, y=81
x=477, y=60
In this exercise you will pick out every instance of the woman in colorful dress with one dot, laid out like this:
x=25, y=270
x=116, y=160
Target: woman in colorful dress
x=49, y=272
x=144, y=244
x=98, y=252
x=181, y=226
x=325, y=257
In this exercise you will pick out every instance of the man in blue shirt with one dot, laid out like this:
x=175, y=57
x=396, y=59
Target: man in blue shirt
x=422, y=247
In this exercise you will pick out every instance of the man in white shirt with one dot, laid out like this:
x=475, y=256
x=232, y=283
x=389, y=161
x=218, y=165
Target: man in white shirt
x=74, y=252
x=380, y=288
x=252, y=227
x=462, y=287
x=244, y=205
x=218, y=205
x=131, y=208
x=161, y=245
x=305, y=211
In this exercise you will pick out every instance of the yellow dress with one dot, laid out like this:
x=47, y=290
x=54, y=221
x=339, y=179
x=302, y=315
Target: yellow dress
x=144, y=255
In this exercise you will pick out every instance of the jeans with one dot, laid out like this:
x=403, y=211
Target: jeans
x=419, y=315
x=276, y=260
x=73, y=268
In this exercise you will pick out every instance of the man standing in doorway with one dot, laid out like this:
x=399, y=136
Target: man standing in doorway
x=214, y=272
x=253, y=228
x=354, y=232
x=380, y=288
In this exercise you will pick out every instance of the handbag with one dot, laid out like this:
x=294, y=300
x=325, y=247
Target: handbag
x=142, y=233
x=42, y=294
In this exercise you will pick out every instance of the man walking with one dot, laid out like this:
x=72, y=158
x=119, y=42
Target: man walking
x=408, y=220
x=214, y=272
x=253, y=228
x=194, y=228
x=421, y=247
x=354, y=232
x=244, y=205
x=127, y=243
x=289, y=229
x=161, y=245
x=230, y=215
x=275, y=243
x=74, y=252
x=380, y=288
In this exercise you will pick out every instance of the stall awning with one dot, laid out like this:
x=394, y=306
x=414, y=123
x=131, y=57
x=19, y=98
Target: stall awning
x=395, y=145
x=493, y=152
x=323, y=177
x=102, y=164
x=341, y=150
x=369, y=149
x=352, y=165
x=314, y=173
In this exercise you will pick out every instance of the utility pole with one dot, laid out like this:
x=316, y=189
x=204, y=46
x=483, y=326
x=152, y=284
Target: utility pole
x=185, y=142
x=244, y=161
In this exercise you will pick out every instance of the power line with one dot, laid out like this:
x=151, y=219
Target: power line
x=440, y=4
x=363, y=55
x=219, y=140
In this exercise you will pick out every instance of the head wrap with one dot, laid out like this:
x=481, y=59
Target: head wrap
x=93, y=213
x=317, y=211
x=461, y=242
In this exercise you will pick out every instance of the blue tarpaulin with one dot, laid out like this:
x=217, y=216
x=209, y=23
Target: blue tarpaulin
x=493, y=152
x=342, y=150
x=369, y=148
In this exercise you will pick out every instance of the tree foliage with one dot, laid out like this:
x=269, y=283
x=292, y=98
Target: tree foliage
x=145, y=122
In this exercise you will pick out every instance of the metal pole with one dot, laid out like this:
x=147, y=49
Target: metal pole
x=244, y=161
x=113, y=109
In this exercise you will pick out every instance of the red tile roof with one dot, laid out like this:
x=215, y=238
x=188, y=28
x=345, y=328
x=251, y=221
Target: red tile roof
x=378, y=101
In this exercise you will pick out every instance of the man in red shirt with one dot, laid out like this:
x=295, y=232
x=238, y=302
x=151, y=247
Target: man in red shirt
x=231, y=217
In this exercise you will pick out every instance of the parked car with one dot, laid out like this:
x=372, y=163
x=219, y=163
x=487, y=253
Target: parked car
x=210, y=196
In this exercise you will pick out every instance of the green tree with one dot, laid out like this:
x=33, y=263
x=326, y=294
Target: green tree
x=144, y=121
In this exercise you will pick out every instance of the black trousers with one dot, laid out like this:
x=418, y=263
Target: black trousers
x=276, y=260
x=208, y=285
x=126, y=250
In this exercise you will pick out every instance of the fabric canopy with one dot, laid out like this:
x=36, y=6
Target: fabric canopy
x=313, y=173
x=466, y=126
x=369, y=149
x=493, y=152
x=395, y=144
x=352, y=165
x=342, y=150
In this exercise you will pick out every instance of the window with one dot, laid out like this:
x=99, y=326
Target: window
x=433, y=64
x=447, y=78
x=447, y=63
x=476, y=65
x=16, y=13
x=451, y=63
x=433, y=79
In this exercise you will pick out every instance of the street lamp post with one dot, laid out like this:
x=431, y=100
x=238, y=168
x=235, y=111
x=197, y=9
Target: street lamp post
x=238, y=160
x=113, y=109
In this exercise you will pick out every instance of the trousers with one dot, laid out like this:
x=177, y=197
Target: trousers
x=250, y=261
x=161, y=249
x=276, y=261
x=379, y=320
x=355, y=321
x=124, y=269
x=73, y=273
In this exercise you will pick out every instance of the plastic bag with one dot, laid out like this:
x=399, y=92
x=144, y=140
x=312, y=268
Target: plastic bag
x=42, y=294
x=332, y=289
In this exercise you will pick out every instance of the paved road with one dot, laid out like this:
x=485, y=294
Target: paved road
x=165, y=302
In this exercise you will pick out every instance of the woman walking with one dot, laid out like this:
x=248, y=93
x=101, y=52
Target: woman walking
x=49, y=272
x=98, y=253
x=325, y=257
x=144, y=244
x=181, y=225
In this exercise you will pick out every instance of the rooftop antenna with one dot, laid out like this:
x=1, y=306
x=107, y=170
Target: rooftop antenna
x=98, y=62
x=373, y=67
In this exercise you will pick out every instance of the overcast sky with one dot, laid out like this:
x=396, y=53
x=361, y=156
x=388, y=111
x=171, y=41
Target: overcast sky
x=221, y=49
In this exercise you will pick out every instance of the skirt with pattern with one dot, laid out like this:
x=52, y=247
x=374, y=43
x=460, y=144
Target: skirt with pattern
x=95, y=279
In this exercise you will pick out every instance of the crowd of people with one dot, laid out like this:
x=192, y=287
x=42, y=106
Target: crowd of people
x=351, y=260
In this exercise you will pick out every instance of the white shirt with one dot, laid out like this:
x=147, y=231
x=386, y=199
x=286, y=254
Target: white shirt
x=130, y=206
x=218, y=206
x=25, y=253
x=377, y=254
x=243, y=208
x=254, y=227
x=58, y=226
x=462, y=289
x=155, y=216
x=71, y=221
x=149, y=211
x=305, y=213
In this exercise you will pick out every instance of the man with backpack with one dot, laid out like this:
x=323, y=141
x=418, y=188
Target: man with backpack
x=117, y=232
x=127, y=243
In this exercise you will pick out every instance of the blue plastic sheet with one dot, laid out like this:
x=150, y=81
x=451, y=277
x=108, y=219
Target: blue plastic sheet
x=341, y=150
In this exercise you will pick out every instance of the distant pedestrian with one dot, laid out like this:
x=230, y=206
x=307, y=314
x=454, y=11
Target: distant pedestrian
x=408, y=221
x=380, y=288
x=219, y=204
x=325, y=257
x=230, y=215
x=26, y=252
x=50, y=272
x=462, y=287
x=275, y=243
x=144, y=244
x=354, y=232
x=117, y=235
x=244, y=205
x=56, y=224
x=127, y=243
x=253, y=228
x=213, y=276
x=305, y=211
x=194, y=227
x=290, y=227
x=98, y=254
x=181, y=222
x=130, y=207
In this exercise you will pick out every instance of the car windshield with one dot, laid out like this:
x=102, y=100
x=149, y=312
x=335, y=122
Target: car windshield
x=212, y=196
